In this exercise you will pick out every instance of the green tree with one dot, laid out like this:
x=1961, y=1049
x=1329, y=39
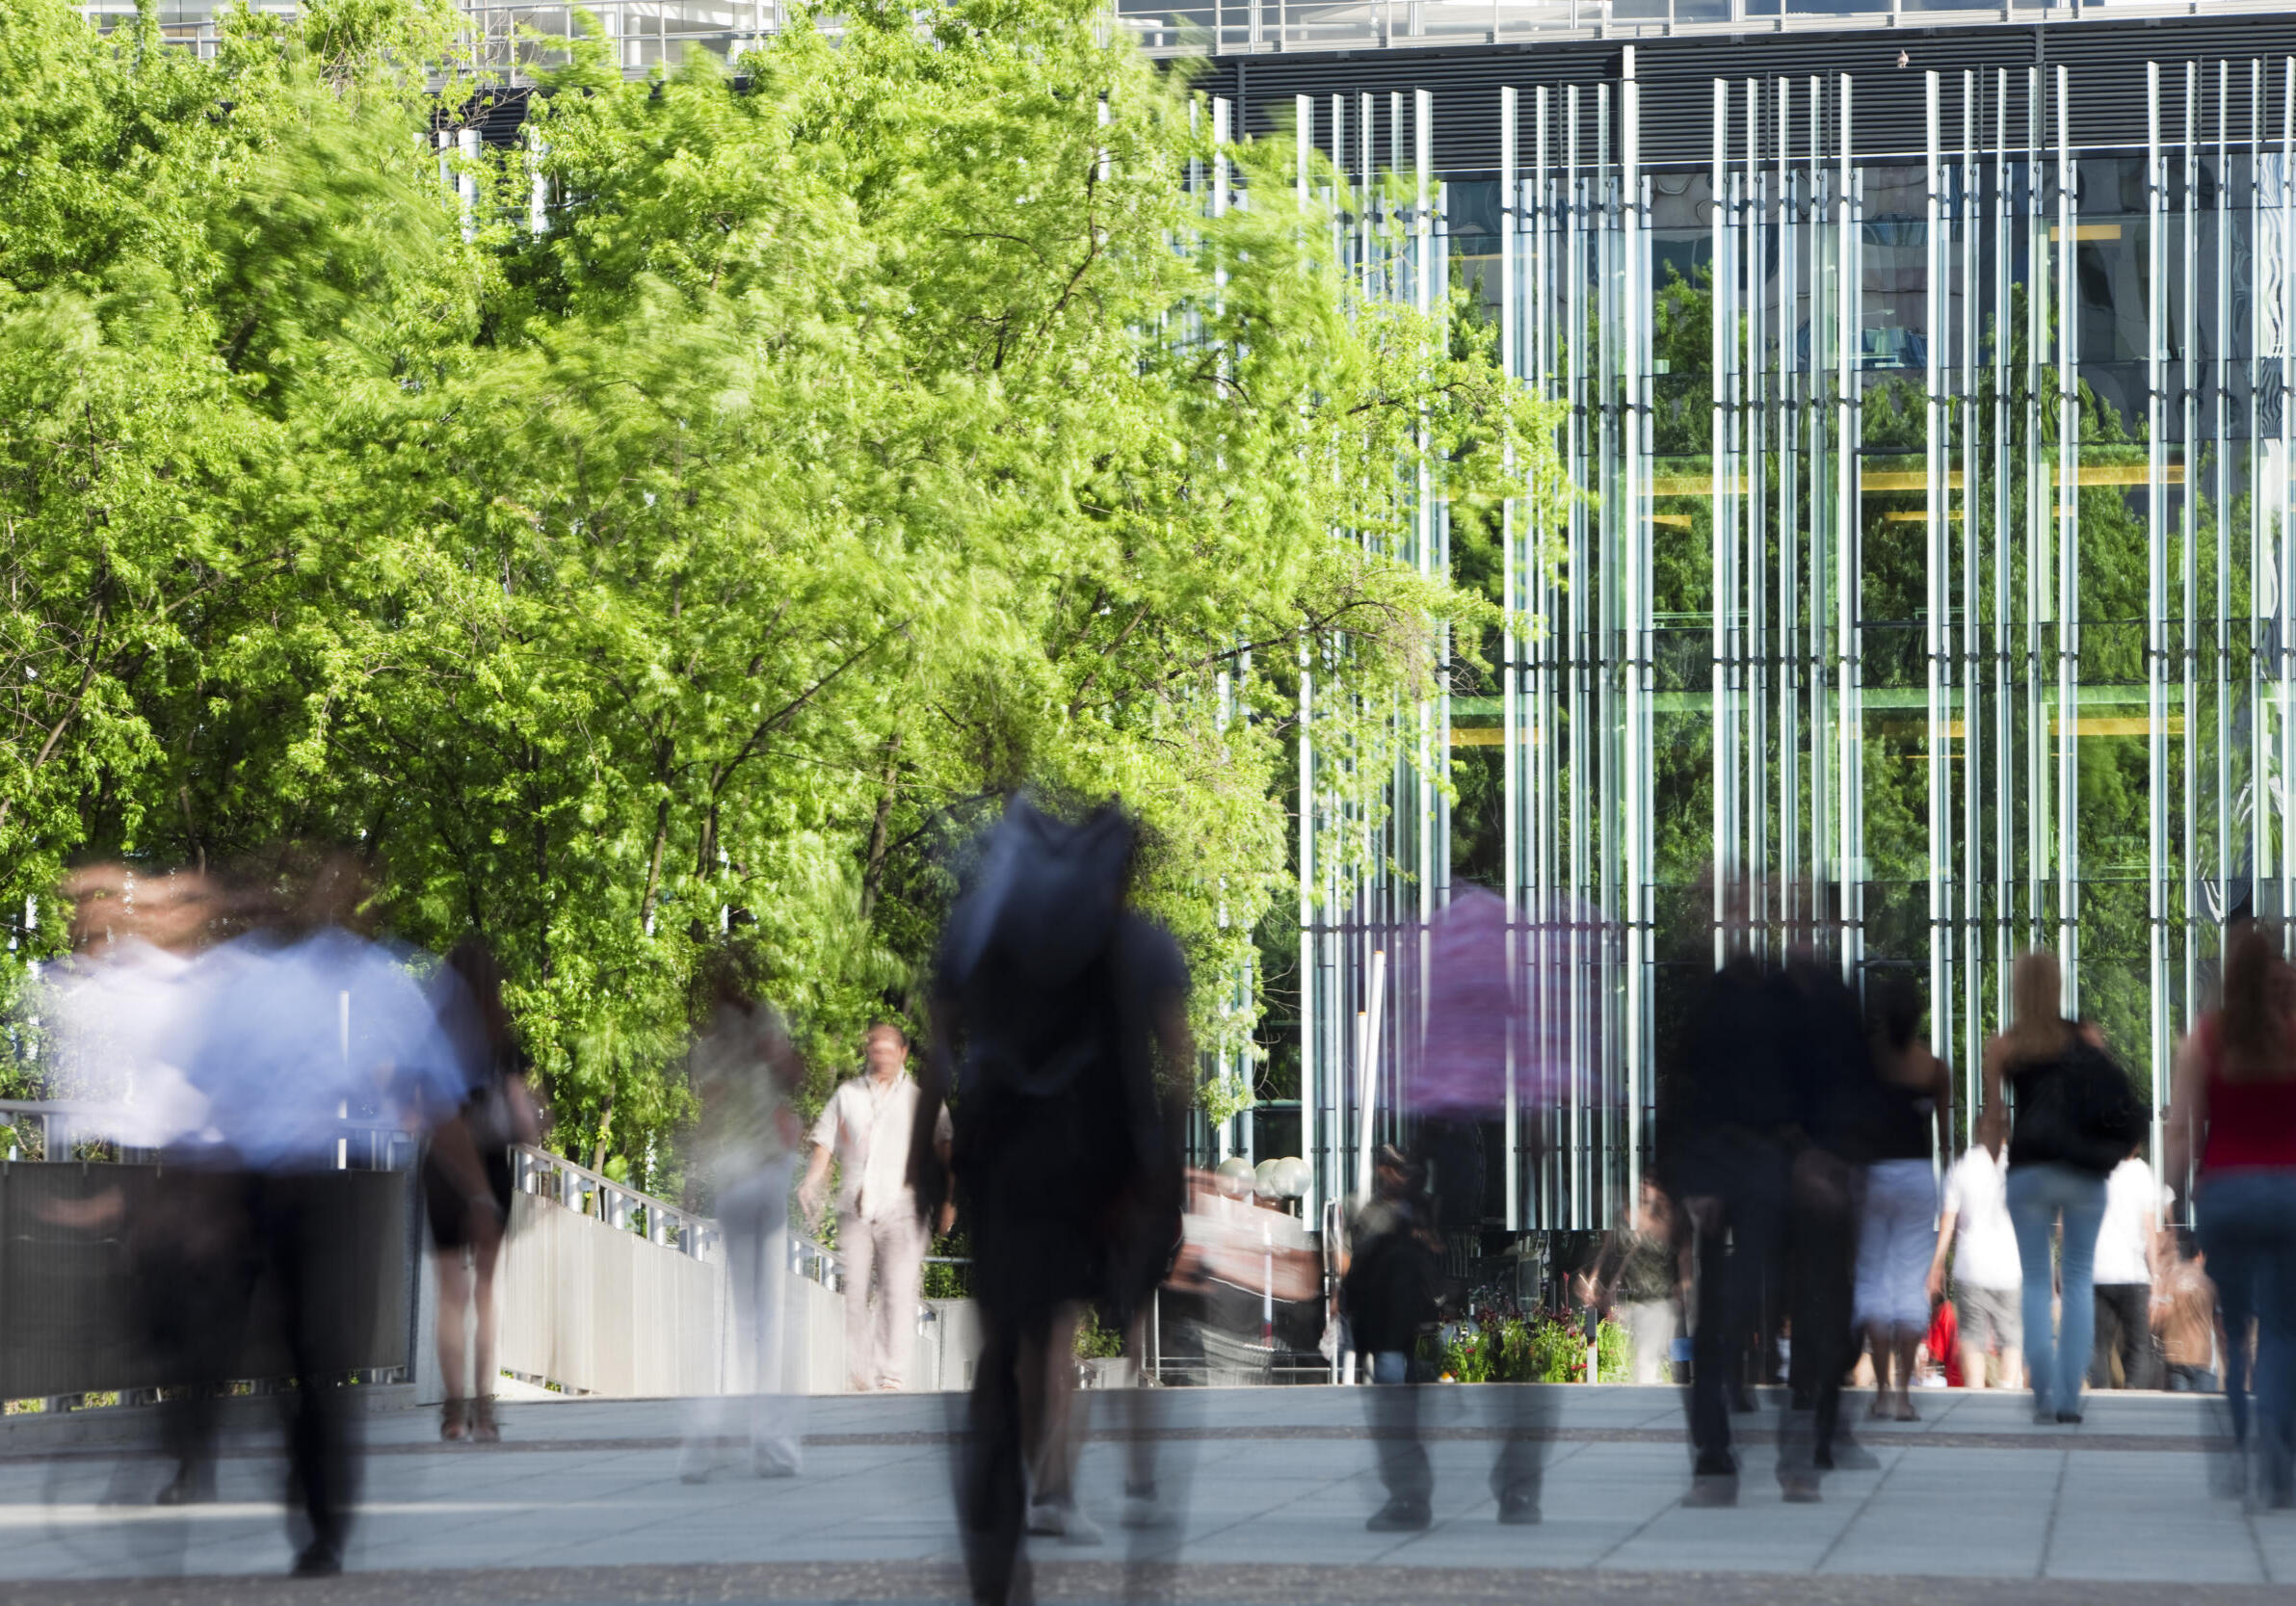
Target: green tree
x=679, y=584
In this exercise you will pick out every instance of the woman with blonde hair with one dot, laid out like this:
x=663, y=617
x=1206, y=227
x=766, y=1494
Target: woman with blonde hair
x=2072, y=1120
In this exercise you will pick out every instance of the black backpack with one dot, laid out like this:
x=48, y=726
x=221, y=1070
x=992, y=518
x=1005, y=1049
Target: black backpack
x=2080, y=1109
x=1028, y=948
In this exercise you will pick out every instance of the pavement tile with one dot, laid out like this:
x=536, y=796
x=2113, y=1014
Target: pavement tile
x=1266, y=1478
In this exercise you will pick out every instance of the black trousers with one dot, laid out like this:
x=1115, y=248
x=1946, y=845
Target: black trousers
x=191, y=1248
x=2124, y=1328
x=299, y=1250
x=1823, y=1256
x=1518, y=1412
x=1737, y=1189
x=992, y=1464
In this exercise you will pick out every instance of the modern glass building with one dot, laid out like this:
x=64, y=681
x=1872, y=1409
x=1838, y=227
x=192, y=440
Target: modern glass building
x=1924, y=596
x=1920, y=378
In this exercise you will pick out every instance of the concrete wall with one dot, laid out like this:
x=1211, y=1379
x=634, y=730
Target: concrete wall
x=602, y=1311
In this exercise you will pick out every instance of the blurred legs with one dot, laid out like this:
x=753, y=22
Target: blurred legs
x=758, y=1407
x=991, y=1472
x=1404, y=1470
x=303, y=1259
x=453, y=1311
x=1824, y=1240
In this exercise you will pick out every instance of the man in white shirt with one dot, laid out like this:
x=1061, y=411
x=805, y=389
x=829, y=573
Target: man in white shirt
x=866, y=1127
x=1987, y=1278
x=2124, y=1277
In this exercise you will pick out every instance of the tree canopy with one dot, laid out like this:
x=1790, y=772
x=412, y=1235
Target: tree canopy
x=872, y=426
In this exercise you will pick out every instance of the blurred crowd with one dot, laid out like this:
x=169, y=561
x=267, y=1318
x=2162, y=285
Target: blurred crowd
x=240, y=1031
x=1807, y=1227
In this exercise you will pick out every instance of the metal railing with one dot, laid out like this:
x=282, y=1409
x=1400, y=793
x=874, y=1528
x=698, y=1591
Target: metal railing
x=60, y=1129
x=617, y=1204
x=514, y=41
x=817, y=1262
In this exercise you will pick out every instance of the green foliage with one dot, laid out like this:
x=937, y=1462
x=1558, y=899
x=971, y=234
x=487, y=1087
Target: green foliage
x=1097, y=1341
x=1542, y=1348
x=680, y=586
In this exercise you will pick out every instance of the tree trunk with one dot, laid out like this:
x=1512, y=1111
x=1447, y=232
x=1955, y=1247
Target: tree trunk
x=653, y=865
x=880, y=828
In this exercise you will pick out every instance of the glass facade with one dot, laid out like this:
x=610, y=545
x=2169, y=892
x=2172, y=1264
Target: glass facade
x=1921, y=596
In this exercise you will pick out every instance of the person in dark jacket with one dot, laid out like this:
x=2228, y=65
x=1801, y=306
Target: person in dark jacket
x=1824, y=1045
x=1390, y=1294
x=1060, y=1027
x=1737, y=1123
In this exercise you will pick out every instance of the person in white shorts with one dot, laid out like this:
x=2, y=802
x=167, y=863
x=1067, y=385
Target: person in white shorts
x=1988, y=1280
x=1896, y=1234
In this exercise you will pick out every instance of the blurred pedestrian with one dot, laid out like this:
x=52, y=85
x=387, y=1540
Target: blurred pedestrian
x=743, y=1073
x=2184, y=1316
x=498, y=1112
x=1828, y=1055
x=2073, y=1118
x=302, y=1021
x=1897, y=1239
x=1737, y=1124
x=881, y=1235
x=2233, y=1119
x=1060, y=1027
x=1637, y=1281
x=1975, y=1232
x=116, y=1010
x=1389, y=1297
x=2126, y=1277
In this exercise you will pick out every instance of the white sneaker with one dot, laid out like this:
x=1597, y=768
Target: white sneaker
x=773, y=1460
x=1065, y=1523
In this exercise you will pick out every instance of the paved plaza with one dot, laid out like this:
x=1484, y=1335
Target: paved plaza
x=582, y=1502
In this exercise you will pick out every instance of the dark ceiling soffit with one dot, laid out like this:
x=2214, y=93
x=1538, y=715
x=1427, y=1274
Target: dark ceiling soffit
x=2105, y=62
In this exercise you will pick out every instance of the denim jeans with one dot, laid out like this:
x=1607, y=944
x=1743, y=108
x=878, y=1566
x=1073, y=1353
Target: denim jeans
x=2037, y=1195
x=2248, y=1230
x=1393, y=1404
x=1520, y=1413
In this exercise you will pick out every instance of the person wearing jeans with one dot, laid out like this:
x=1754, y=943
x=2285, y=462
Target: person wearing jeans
x=1389, y=1292
x=2234, y=1111
x=2039, y=1197
x=2048, y=1066
x=2248, y=1230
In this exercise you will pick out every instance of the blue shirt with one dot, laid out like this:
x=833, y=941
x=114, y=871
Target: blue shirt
x=288, y=1039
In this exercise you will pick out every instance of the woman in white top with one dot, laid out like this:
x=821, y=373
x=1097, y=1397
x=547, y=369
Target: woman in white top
x=2125, y=1279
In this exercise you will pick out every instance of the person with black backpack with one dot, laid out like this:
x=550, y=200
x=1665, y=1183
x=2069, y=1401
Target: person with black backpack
x=2073, y=1117
x=1060, y=1029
